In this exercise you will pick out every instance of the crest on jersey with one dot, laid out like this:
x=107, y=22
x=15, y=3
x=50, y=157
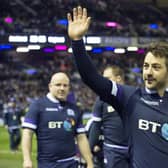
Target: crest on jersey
x=68, y=124
x=164, y=131
x=70, y=112
x=110, y=109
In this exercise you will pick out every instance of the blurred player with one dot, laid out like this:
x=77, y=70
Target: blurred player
x=12, y=121
x=108, y=121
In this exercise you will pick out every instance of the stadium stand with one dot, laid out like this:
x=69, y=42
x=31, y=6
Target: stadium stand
x=24, y=76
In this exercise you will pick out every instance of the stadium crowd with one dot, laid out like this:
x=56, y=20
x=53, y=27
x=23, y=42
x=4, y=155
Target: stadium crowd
x=49, y=17
x=23, y=79
x=23, y=82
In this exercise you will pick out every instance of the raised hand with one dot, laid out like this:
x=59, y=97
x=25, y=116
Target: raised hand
x=78, y=23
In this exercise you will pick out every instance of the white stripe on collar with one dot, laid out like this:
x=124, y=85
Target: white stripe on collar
x=51, y=98
x=153, y=91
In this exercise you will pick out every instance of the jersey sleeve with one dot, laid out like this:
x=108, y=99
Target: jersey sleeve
x=89, y=75
x=31, y=117
x=80, y=127
x=94, y=133
x=110, y=92
x=97, y=111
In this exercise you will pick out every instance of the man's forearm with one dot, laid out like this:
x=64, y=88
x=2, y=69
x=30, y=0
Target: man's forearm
x=85, y=149
x=88, y=71
x=83, y=60
x=94, y=134
x=27, y=146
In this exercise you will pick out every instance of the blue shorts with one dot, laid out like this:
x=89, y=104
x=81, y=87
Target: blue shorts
x=65, y=164
x=115, y=158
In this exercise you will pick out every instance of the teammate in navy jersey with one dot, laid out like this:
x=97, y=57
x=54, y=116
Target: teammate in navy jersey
x=12, y=121
x=57, y=123
x=108, y=121
x=144, y=110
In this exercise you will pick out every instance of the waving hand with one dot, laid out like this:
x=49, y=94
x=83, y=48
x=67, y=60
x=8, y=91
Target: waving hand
x=78, y=23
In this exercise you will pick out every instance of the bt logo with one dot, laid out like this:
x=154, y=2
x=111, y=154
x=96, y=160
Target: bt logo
x=68, y=124
x=148, y=125
x=55, y=124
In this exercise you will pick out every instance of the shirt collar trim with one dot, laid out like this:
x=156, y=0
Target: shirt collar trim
x=153, y=91
x=51, y=98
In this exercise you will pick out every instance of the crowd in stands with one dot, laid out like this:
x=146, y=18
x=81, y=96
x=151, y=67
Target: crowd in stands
x=24, y=81
x=42, y=17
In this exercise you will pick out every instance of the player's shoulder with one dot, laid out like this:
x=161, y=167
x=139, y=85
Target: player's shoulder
x=72, y=105
x=73, y=109
x=129, y=90
x=39, y=101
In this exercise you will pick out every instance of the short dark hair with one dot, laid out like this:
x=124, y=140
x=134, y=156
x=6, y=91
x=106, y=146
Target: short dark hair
x=117, y=70
x=159, y=49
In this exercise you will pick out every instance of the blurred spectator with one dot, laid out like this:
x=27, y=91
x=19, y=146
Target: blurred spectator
x=12, y=121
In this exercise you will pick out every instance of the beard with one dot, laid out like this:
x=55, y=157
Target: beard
x=154, y=84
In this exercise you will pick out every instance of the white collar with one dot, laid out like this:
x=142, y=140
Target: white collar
x=51, y=98
x=153, y=91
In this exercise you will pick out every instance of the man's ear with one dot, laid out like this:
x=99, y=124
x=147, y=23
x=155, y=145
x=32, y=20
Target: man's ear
x=119, y=79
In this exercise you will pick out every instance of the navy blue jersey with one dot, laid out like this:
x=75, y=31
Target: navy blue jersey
x=12, y=117
x=56, y=124
x=112, y=126
x=144, y=112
